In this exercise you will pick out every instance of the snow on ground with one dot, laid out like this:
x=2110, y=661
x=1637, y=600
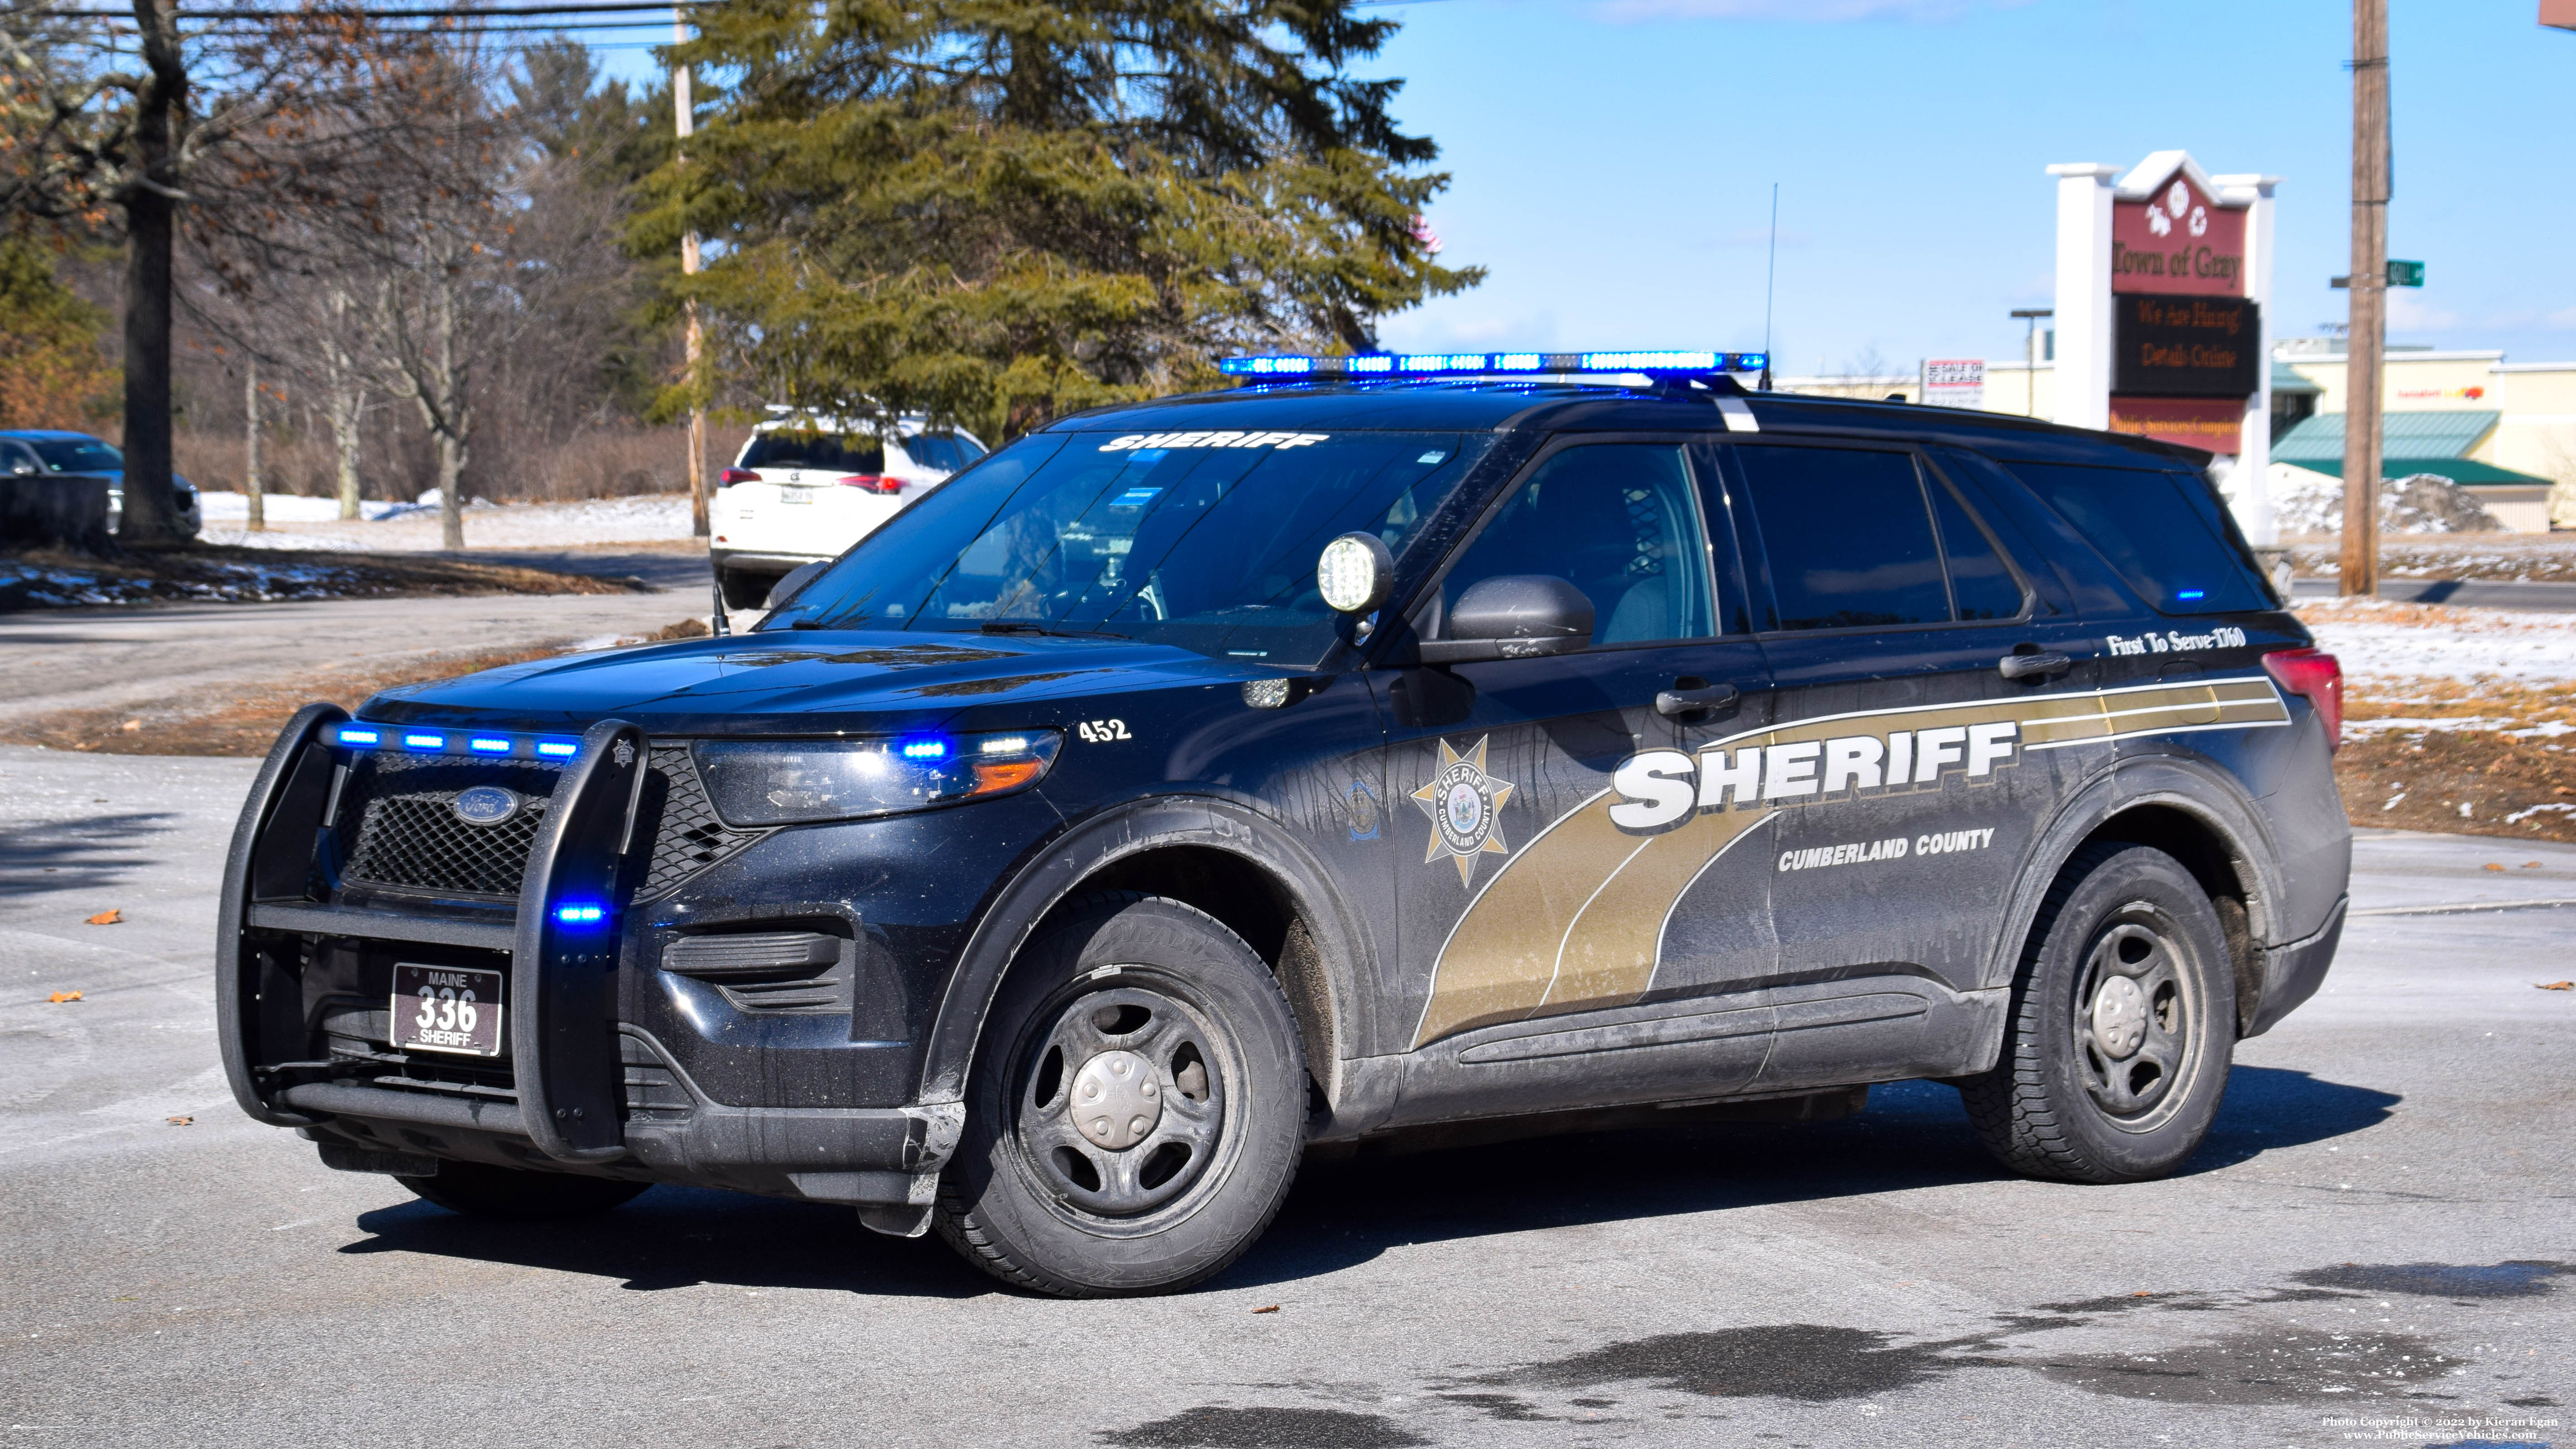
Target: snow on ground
x=315, y=523
x=2382, y=639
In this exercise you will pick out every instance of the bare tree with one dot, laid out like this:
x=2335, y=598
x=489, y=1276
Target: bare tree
x=152, y=132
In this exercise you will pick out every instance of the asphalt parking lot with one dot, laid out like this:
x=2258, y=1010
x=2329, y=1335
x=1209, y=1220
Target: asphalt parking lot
x=2375, y=1246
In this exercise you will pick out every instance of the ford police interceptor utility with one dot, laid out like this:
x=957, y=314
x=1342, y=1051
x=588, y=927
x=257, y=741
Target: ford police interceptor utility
x=1389, y=744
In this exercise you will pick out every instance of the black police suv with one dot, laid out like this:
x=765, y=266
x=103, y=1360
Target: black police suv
x=1194, y=784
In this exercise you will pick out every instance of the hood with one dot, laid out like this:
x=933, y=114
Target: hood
x=798, y=682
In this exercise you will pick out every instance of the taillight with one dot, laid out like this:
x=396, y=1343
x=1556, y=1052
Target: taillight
x=873, y=482
x=2318, y=676
x=738, y=475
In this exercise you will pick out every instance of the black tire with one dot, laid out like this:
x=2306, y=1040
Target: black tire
x=744, y=590
x=516, y=1195
x=2100, y=1081
x=1151, y=1003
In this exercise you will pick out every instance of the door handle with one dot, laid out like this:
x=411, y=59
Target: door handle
x=2024, y=666
x=1673, y=703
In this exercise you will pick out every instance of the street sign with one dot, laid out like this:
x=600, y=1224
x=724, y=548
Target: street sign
x=2400, y=274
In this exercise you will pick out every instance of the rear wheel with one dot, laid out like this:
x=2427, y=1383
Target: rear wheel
x=2123, y=1024
x=744, y=590
x=1137, y=1110
x=515, y=1194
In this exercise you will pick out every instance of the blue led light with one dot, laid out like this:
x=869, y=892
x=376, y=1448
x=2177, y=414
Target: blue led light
x=426, y=742
x=557, y=749
x=2191, y=593
x=1454, y=364
x=488, y=745
x=925, y=749
x=581, y=913
x=349, y=736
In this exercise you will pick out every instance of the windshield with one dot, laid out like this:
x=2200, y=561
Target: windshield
x=1207, y=541
x=78, y=455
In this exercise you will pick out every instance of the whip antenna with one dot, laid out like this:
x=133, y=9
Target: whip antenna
x=1770, y=284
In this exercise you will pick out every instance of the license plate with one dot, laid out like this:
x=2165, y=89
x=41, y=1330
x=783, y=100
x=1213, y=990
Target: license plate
x=447, y=1009
x=795, y=495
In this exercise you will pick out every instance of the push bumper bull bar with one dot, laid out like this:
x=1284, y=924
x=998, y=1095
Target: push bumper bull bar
x=563, y=1029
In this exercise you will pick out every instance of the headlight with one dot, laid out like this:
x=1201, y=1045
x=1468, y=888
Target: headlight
x=790, y=781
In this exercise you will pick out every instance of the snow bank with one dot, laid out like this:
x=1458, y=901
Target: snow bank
x=2388, y=640
x=315, y=523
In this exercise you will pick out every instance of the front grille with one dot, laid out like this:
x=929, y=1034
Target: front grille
x=398, y=828
x=416, y=841
x=688, y=837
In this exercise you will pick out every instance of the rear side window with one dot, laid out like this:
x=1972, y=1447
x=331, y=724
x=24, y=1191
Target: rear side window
x=1981, y=583
x=826, y=452
x=1848, y=537
x=2162, y=531
x=947, y=452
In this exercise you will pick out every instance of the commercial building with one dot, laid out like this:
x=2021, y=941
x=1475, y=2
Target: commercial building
x=2506, y=431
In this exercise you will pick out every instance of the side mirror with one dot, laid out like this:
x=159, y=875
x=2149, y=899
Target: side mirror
x=785, y=589
x=1355, y=573
x=1514, y=616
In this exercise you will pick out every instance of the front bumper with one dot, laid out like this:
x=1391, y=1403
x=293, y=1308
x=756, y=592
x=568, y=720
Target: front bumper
x=763, y=561
x=578, y=1088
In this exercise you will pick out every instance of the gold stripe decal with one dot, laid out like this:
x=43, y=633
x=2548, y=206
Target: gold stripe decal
x=1574, y=919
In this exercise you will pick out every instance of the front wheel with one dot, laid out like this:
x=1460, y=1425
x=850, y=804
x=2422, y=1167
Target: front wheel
x=1137, y=1108
x=2123, y=1021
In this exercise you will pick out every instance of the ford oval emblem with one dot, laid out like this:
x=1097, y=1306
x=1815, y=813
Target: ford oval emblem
x=486, y=805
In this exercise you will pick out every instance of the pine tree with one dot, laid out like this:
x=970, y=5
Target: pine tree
x=998, y=212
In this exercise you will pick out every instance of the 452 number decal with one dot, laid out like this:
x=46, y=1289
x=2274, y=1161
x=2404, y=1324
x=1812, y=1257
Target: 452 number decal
x=1102, y=731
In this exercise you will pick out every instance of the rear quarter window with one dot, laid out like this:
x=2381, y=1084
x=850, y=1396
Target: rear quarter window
x=2162, y=531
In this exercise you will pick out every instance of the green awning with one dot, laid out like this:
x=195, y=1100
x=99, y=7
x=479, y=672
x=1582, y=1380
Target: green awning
x=2447, y=433
x=2466, y=473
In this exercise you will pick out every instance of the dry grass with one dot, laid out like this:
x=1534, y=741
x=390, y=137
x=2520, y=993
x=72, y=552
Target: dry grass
x=206, y=571
x=240, y=721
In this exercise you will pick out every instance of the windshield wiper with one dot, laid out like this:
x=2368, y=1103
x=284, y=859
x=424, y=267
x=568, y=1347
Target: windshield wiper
x=1023, y=626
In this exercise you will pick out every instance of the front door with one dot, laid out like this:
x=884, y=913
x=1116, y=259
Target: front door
x=1532, y=924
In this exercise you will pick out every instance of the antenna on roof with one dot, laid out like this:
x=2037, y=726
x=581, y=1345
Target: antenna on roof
x=1770, y=283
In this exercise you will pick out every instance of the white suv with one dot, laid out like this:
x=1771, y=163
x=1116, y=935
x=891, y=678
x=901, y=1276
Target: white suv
x=802, y=493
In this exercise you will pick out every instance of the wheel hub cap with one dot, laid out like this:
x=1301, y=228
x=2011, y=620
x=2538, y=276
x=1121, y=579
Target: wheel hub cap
x=2119, y=1017
x=1115, y=1101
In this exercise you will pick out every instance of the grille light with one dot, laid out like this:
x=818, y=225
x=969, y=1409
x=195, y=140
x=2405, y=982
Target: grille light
x=925, y=749
x=426, y=742
x=558, y=749
x=488, y=745
x=1457, y=364
x=580, y=913
x=349, y=736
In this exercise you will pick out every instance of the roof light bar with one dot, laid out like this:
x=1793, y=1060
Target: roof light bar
x=1455, y=364
x=352, y=735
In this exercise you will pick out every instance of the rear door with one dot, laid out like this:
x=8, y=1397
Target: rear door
x=1903, y=797
x=1530, y=971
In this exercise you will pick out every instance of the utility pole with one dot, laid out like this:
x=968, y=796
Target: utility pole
x=680, y=108
x=2364, y=341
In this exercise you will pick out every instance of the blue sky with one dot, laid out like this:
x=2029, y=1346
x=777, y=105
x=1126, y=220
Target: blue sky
x=1613, y=161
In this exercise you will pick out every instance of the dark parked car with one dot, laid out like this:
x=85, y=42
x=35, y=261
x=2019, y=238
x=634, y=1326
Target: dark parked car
x=27, y=452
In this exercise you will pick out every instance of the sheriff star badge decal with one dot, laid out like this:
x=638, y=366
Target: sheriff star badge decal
x=1465, y=805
